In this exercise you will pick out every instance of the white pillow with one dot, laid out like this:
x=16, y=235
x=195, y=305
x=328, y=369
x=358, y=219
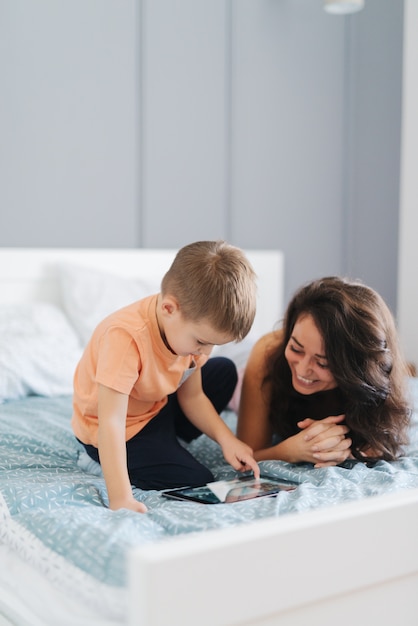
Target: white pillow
x=238, y=352
x=90, y=295
x=39, y=351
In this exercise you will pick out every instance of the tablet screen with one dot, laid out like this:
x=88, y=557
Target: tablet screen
x=236, y=490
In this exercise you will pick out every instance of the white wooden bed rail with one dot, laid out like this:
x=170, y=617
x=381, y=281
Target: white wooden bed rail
x=351, y=563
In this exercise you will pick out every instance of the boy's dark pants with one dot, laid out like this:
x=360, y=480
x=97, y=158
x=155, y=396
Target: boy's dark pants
x=155, y=457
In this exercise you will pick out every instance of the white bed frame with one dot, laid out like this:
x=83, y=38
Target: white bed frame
x=356, y=562
x=31, y=274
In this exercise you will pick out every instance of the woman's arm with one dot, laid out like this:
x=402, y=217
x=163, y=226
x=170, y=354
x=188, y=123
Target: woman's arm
x=253, y=422
x=112, y=413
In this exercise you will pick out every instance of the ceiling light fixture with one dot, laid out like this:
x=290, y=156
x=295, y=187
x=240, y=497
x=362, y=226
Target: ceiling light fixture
x=343, y=7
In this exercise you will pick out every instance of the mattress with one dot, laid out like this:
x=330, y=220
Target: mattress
x=57, y=532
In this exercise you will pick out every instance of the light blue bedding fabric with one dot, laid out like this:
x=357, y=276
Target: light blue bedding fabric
x=53, y=498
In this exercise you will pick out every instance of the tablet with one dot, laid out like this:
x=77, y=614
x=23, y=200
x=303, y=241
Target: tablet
x=236, y=490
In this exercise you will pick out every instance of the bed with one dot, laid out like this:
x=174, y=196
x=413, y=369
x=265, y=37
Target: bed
x=340, y=547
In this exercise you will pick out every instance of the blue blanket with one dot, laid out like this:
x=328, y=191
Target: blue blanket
x=53, y=498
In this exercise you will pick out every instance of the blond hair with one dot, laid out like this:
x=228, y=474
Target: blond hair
x=213, y=281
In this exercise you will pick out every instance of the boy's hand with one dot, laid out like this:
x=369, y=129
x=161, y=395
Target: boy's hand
x=239, y=455
x=131, y=505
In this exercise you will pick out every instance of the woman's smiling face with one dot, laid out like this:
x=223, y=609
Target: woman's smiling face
x=306, y=357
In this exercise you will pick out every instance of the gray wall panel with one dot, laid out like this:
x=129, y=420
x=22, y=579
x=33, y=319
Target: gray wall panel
x=157, y=122
x=287, y=103
x=68, y=123
x=184, y=123
x=374, y=61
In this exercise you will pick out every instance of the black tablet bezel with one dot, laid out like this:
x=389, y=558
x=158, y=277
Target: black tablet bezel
x=203, y=494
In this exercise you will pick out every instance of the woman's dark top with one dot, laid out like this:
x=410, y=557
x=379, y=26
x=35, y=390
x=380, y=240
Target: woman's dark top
x=316, y=406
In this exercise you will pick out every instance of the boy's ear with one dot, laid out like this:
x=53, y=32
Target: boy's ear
x=169, y=304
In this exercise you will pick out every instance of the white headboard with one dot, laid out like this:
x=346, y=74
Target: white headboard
x=31, y=274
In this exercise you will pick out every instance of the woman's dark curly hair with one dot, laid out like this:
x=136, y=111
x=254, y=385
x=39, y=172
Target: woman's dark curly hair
x=363, y=354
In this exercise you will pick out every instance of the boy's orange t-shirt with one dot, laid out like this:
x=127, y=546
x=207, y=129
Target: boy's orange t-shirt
x=126, y=353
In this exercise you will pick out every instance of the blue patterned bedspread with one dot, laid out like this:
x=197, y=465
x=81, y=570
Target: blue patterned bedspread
x=53, y=499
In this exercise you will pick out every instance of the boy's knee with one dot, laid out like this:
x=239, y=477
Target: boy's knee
x=225, y=368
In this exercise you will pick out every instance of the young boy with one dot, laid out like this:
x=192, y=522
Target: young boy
x=145, y=379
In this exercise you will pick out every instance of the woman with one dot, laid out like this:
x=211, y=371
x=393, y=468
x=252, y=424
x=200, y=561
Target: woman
x=330, y=385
